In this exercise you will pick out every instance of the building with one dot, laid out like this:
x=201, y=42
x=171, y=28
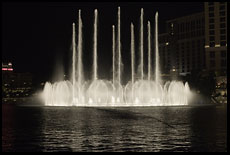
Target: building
x=15, y=84
x=182, y=46
x=198, y=42
x=7, y=67
x=216, y=36
x=165, y=60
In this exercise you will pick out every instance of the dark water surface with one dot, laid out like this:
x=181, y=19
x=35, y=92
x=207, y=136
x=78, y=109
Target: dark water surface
x=38, y=128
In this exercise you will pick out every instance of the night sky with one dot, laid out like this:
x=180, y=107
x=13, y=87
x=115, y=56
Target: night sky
x=36, y=37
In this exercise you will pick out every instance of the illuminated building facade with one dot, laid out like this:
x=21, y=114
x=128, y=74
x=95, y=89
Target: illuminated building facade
x=182, y=46
x=15, y=84
x=216, y=36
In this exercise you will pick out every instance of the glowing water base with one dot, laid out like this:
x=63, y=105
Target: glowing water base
x=97, y=92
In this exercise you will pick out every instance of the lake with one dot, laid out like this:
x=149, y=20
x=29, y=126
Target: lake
x=179, y=128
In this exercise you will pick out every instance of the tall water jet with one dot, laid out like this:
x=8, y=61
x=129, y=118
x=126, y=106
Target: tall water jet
x=149, y=51
x=141, y=45
x=132, y=54
x=79, y=49
x=157, y=70
x=119, y=45
x=73, y=61
x=132, y=57
x=119, y=89
x=95, y=46
x=113, y=51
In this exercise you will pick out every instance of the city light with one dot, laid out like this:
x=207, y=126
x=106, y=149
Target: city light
x=7, y=69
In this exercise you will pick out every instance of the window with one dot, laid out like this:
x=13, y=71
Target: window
x=182, y=45
x=211, y=20
x=198, y=43
x=223, y=31
x=187, y=26
x=198, y=23
x=211, y=26
x=211, y=8
x=223, y=63
x=222, y=13
x=223, y=43
x=223, y=53
x=212, y=63
x=222, y=25
x=212, y=44
x=222, y=37
x=193, y=25
x=210, y=3
x=222, y=7
x=211, y=32
x=188, y=45
x=222, y=19
x=211, y=14
x=212, y=54
x=211, y=38
x=182, y=27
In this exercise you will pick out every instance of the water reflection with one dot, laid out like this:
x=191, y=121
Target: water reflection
x=114, y=129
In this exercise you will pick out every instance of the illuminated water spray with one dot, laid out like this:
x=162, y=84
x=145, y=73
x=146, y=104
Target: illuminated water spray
x=132, y=54
x=95, y=46
x=113, y=52
x=119, y=44
x=141, y=45
x=149, y=51
x=157, y=70
x=79, y=66
x=73, y=60
x=98, y=92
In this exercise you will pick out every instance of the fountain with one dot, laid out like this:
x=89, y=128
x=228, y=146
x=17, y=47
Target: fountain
x=149, y=51
x=141, y=65
x=98, y=92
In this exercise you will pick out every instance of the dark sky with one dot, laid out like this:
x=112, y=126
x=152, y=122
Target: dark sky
x=36, y=37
